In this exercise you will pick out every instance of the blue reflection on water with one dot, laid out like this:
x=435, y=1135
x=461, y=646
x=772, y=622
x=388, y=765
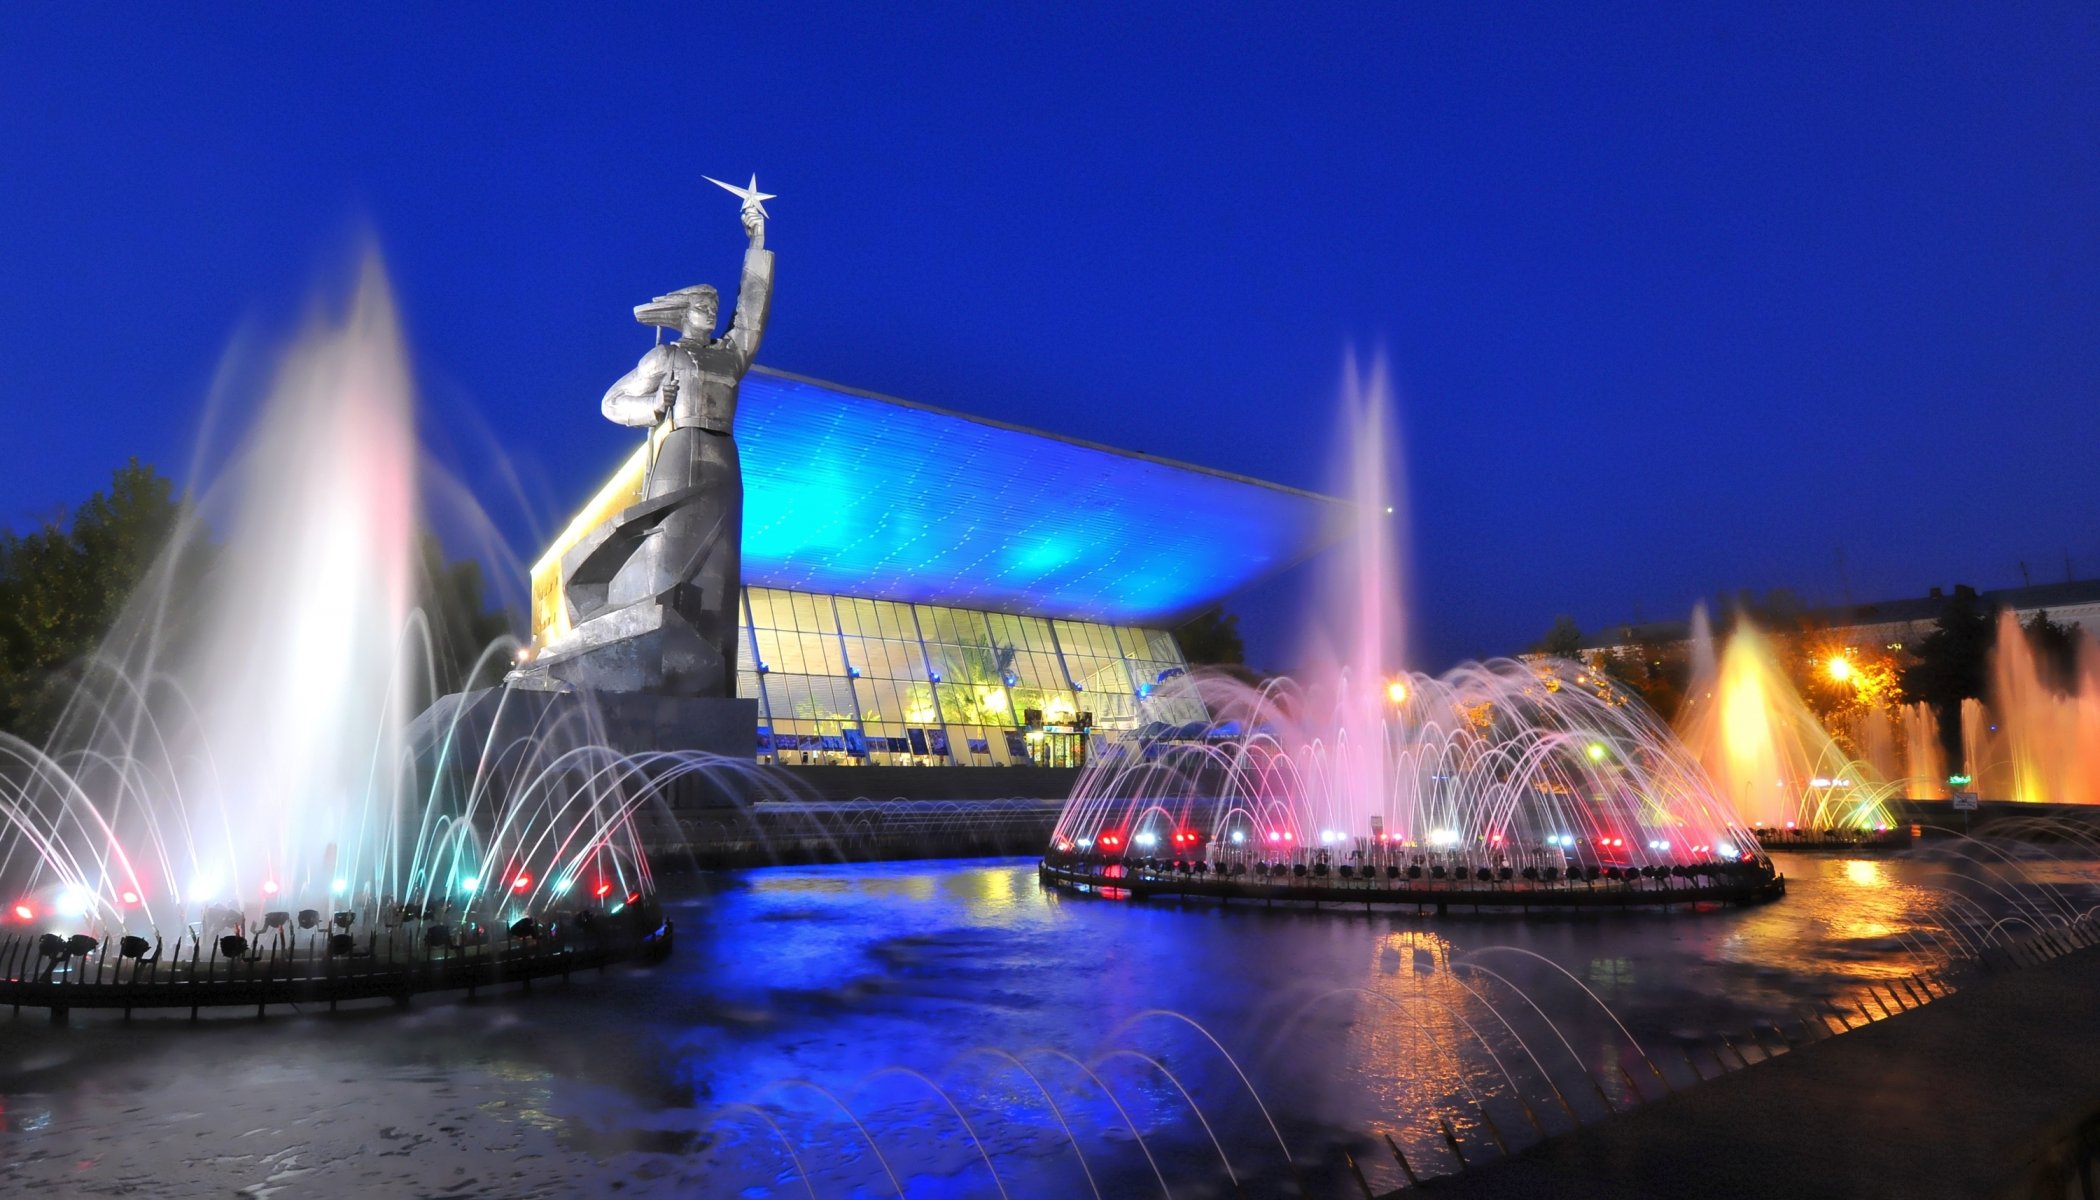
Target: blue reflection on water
x=795, y=985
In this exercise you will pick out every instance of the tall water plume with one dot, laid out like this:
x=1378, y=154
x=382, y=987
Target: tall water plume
x=1924, y=757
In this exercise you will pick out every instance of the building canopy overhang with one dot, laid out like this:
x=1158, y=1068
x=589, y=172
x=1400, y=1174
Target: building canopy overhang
x=854, y=493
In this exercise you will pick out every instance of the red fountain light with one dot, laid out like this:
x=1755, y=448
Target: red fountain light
x=522, y=882
x=25, y=912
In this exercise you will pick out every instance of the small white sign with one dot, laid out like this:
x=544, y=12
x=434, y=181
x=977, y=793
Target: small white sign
x=1964, y=802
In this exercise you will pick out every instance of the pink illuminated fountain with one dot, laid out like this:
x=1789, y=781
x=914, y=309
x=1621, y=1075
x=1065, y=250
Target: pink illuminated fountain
x=1492, y=772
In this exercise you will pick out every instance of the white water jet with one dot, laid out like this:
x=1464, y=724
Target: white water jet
x=241, y=742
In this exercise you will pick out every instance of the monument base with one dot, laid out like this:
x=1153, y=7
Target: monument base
x=645, y=648
x=626, y=723
x=692, y=752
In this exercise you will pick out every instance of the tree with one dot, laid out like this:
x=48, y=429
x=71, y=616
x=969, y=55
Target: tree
x=63, y=585
x=1658, y=672
x=452, y=596
x=1211, y=638
x=2055, y=648
x=1564, y=640
x=1953, y=663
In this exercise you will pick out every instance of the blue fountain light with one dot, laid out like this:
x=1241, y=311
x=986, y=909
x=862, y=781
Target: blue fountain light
x=864, y=495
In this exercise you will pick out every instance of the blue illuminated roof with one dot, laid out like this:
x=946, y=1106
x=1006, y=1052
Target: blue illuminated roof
x=865, y=495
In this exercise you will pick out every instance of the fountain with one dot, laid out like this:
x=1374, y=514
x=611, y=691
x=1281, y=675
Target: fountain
x=240, y=750
x=1777, y=765
x=1495, y=784
x=2037, y=740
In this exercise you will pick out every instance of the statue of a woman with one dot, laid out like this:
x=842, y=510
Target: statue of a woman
x=653, y=594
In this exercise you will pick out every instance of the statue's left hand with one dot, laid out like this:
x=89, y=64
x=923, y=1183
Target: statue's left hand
x=754, y=224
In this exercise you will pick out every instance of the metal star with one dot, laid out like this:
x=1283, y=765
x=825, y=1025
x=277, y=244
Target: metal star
x=751, y=195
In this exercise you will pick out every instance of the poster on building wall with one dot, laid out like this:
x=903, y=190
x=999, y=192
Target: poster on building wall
x=856, y=744
x=1017, y=745
x=980, y=746
x=938, y=740
x=918, y=740
x=832, y=742
x=765, y=740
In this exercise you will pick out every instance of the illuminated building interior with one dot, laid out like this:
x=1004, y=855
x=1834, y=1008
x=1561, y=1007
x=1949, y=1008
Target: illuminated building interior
x=919, y=581
x=849, y=679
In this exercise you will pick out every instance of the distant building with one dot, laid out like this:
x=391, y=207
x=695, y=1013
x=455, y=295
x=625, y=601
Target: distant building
x=927, y=587
x=1887, y=624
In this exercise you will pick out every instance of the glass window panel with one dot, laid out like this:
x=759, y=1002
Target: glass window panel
x=820, y=654
x=907, y=660
x=771, y=603
x=870, y=656
x=1037, y=631
x=1128, y=643
x=886, y=620
x=790, y=659
x=873, y=697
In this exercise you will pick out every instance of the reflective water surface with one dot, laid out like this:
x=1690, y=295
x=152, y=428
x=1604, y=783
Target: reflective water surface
x=952, y=1029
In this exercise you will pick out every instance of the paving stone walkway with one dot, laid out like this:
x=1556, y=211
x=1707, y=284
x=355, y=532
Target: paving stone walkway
x=1964, y=1097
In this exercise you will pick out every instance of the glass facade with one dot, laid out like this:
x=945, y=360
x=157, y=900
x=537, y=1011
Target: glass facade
x=842, y=679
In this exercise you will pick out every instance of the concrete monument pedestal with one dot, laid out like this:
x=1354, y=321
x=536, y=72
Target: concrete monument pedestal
x=715, y=739
x=625, y=723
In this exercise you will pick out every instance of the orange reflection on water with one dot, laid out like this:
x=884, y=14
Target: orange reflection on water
x=1858, y=922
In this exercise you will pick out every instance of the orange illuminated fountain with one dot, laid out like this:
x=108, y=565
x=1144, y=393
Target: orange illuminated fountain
x=2035, y=741
x=1766, y=750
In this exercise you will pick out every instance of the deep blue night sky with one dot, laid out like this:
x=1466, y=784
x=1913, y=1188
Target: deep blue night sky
x=1680, y=300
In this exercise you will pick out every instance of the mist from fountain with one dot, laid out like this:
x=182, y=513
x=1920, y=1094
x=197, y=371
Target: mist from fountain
x=239, y=743
x=1541, y=765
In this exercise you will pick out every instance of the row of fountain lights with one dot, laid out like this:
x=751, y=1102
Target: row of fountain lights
x=1146, y=839
x=75, y=901
x=235, y=945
